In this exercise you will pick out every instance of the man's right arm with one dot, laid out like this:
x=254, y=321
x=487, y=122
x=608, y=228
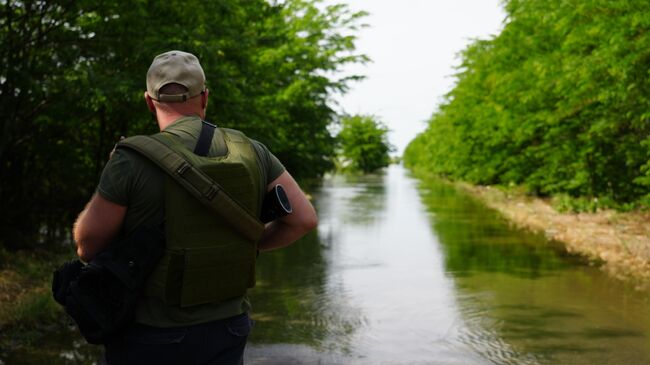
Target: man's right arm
x=97, y=226
x=286, y=230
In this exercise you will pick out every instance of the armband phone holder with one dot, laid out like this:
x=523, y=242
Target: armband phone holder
x=276, y=204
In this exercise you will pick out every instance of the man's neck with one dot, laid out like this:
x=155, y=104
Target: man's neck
x=166, y=119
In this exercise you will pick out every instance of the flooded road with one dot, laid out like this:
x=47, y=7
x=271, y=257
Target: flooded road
x=407, y=272
x=403, y=272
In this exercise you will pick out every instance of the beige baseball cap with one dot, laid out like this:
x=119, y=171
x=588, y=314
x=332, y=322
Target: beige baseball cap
x=175, y=67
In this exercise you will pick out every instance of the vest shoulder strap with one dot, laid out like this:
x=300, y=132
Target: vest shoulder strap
x=205, y=138
x=200, y=185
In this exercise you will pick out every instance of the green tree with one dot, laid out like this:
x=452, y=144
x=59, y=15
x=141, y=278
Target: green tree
x=72, y=79
x=364, y=143
x=557, y=102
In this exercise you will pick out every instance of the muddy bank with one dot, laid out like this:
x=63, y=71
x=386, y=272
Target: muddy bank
x=620, y=240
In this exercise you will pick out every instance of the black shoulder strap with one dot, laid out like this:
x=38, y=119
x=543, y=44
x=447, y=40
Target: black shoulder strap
x=205, y=139
x=159, y=150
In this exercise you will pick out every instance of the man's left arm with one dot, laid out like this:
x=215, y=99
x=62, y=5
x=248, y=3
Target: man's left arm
x=97, y=226
x=286, y=230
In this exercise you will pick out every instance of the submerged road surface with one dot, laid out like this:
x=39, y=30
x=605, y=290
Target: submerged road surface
x=402, y=272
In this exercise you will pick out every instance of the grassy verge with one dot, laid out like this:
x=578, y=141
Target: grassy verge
x=27, y=310
x=620, y=239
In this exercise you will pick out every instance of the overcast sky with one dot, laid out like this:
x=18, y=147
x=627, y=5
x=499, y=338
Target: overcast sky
x=414, y=46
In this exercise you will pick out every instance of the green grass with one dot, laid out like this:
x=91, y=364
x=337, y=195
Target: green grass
x=566, y=203
x=27, y=309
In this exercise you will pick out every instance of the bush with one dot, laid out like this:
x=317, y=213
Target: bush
x=364, y=144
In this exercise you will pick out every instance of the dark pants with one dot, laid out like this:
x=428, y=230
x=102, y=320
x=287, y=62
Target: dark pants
x=218, y=342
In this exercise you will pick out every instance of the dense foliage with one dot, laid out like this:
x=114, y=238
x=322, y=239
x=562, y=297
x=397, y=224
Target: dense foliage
x=364, y=143
x=72, y=76
x=559, y=102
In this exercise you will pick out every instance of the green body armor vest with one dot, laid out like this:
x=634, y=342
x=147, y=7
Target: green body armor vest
x=206, y=260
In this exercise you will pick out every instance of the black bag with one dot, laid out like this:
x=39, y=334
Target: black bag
x=101, y=296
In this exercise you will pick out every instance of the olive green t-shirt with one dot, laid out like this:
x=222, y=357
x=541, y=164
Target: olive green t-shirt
x=132, y=180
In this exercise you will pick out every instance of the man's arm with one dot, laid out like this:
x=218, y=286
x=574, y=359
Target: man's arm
x=284, y=231
x=97, y=226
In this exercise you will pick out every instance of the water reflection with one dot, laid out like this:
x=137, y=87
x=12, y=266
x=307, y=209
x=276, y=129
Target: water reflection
x=298, y=299
x=292, y=303
x=359, y=200
x=527, y=301
x=444, y=282
x=476, y=239
x=387, y=301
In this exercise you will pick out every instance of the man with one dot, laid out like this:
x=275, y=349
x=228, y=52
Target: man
x=131, y=193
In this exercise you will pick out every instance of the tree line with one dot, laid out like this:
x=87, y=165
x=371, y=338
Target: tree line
x=363, y=144
x=72, y=77
x=558, y=102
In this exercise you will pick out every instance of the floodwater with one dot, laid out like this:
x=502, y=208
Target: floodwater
x=408, y=272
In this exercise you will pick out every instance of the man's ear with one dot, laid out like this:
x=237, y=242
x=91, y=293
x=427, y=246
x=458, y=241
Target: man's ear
x=204, y=99
x=150, y=105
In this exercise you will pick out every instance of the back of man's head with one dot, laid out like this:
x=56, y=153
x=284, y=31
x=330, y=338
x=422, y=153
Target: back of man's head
x=175, y=77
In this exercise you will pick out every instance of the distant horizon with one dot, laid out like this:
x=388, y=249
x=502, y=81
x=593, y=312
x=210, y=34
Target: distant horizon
x=406, y=79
